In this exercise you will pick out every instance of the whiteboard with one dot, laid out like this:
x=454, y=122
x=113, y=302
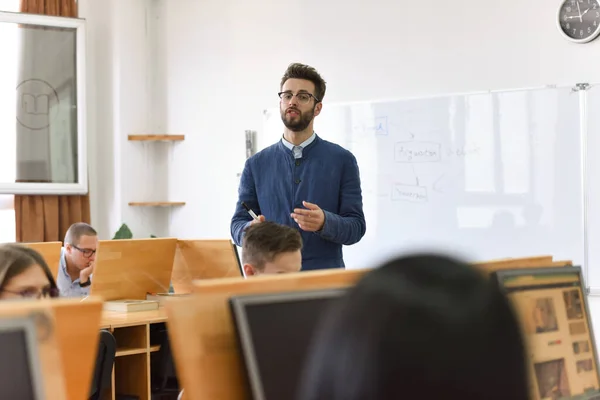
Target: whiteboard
x=592, y=272
x=481, y=176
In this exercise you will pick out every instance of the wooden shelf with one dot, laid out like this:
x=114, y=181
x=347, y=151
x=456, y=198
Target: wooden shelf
x=154, y=349
x=124, y=351
x=157, y=203
x=156, y=138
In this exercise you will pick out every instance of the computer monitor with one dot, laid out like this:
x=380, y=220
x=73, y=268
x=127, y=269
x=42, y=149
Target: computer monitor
x=274, y=332
x=237, y=258
x=553, y=310
x=20, y=370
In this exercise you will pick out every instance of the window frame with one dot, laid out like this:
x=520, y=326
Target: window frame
x=80, y=187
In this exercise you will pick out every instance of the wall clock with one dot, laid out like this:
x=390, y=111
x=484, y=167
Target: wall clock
x=579, y=20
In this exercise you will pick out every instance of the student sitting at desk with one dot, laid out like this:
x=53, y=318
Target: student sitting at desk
x=77, y=259
x=24, y=274
x=271, y=248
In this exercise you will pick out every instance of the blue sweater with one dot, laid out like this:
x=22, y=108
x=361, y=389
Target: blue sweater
x=273, y=183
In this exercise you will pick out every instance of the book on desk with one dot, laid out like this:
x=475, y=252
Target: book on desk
x=160, y=297
x=130, y=305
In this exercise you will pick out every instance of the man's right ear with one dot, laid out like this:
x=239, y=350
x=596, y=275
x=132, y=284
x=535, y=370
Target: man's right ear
x=249, y=270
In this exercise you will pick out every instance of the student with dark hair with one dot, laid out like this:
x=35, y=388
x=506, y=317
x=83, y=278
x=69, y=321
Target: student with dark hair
x=422, y=326
x=304, y=181
x=24, y=274
x=270, y=248
x=77, y=260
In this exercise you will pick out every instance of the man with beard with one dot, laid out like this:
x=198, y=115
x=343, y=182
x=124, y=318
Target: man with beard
x=302, y=180
x=77, y=259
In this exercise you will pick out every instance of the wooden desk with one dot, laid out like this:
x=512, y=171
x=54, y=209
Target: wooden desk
x=131, y=373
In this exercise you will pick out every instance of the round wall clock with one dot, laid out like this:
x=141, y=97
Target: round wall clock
x=579, y=20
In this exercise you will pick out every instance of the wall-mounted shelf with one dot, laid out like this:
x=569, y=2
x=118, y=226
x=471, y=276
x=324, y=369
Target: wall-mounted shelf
x=156, y=138
x=157, y=203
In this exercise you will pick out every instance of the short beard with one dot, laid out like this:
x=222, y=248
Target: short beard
x=301, y=124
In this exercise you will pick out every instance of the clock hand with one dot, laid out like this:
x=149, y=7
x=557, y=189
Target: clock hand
x=579, y=10
x=586, y=11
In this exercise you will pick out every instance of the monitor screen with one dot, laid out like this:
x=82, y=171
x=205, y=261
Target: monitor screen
x=552, y=307
x=20, y=376
x=275, y=332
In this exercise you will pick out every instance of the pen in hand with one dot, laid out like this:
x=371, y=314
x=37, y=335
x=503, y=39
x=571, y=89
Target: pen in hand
x=252, y=214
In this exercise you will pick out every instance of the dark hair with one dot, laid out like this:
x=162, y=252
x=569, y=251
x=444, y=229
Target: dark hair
x=302, y=71
x=15, y=259
x=419, y=326
x=77, y=230
x=264, y=241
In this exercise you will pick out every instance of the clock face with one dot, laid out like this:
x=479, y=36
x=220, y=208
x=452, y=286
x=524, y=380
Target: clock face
x=579, y=20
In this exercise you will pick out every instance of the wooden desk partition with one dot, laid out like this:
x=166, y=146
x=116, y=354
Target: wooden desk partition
x=51, y=253
x=77, y=329
x=203, y=259
x=202, y=333
x=69, y=332
x=520, y=263
x=129, y=268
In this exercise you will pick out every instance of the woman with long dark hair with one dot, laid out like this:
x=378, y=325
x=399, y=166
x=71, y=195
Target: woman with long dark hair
x=422, y=326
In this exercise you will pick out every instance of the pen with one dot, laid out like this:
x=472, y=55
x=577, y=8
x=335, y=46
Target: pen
x=252, y=214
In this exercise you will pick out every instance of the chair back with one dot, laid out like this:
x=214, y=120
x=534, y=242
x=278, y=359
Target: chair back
x=105, y=359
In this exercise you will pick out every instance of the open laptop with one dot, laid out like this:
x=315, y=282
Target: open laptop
x=552, y=307
x=20, y=369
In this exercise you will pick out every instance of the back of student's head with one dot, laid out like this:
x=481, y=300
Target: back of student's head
x=268, y=247
x=421, y=326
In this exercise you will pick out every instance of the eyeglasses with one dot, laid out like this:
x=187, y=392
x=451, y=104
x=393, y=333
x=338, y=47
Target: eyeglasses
x=86, y=252
x=303, y=98
x=31, y=293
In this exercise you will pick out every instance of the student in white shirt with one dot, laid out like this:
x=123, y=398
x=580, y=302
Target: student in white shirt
x=77, y=260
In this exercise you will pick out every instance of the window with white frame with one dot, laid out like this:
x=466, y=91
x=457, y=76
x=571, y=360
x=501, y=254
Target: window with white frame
x=7, y=127
x=42, y=103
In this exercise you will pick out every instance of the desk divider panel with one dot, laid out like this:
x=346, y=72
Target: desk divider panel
x=78, y=334
x=203, y=259
x=50, y=251
x=203, y=339
x=130, y=268
x=65, y=325
x=520, y=263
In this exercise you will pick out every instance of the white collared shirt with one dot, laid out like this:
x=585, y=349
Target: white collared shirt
x=297, y=150
x=66, y=287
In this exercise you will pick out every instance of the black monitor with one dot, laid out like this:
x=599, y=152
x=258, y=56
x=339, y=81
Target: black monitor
x=274, y=332
x=237, y=258
x=553, y=310
x=20, y=370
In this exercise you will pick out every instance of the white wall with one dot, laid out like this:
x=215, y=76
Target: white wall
x=121, y=71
